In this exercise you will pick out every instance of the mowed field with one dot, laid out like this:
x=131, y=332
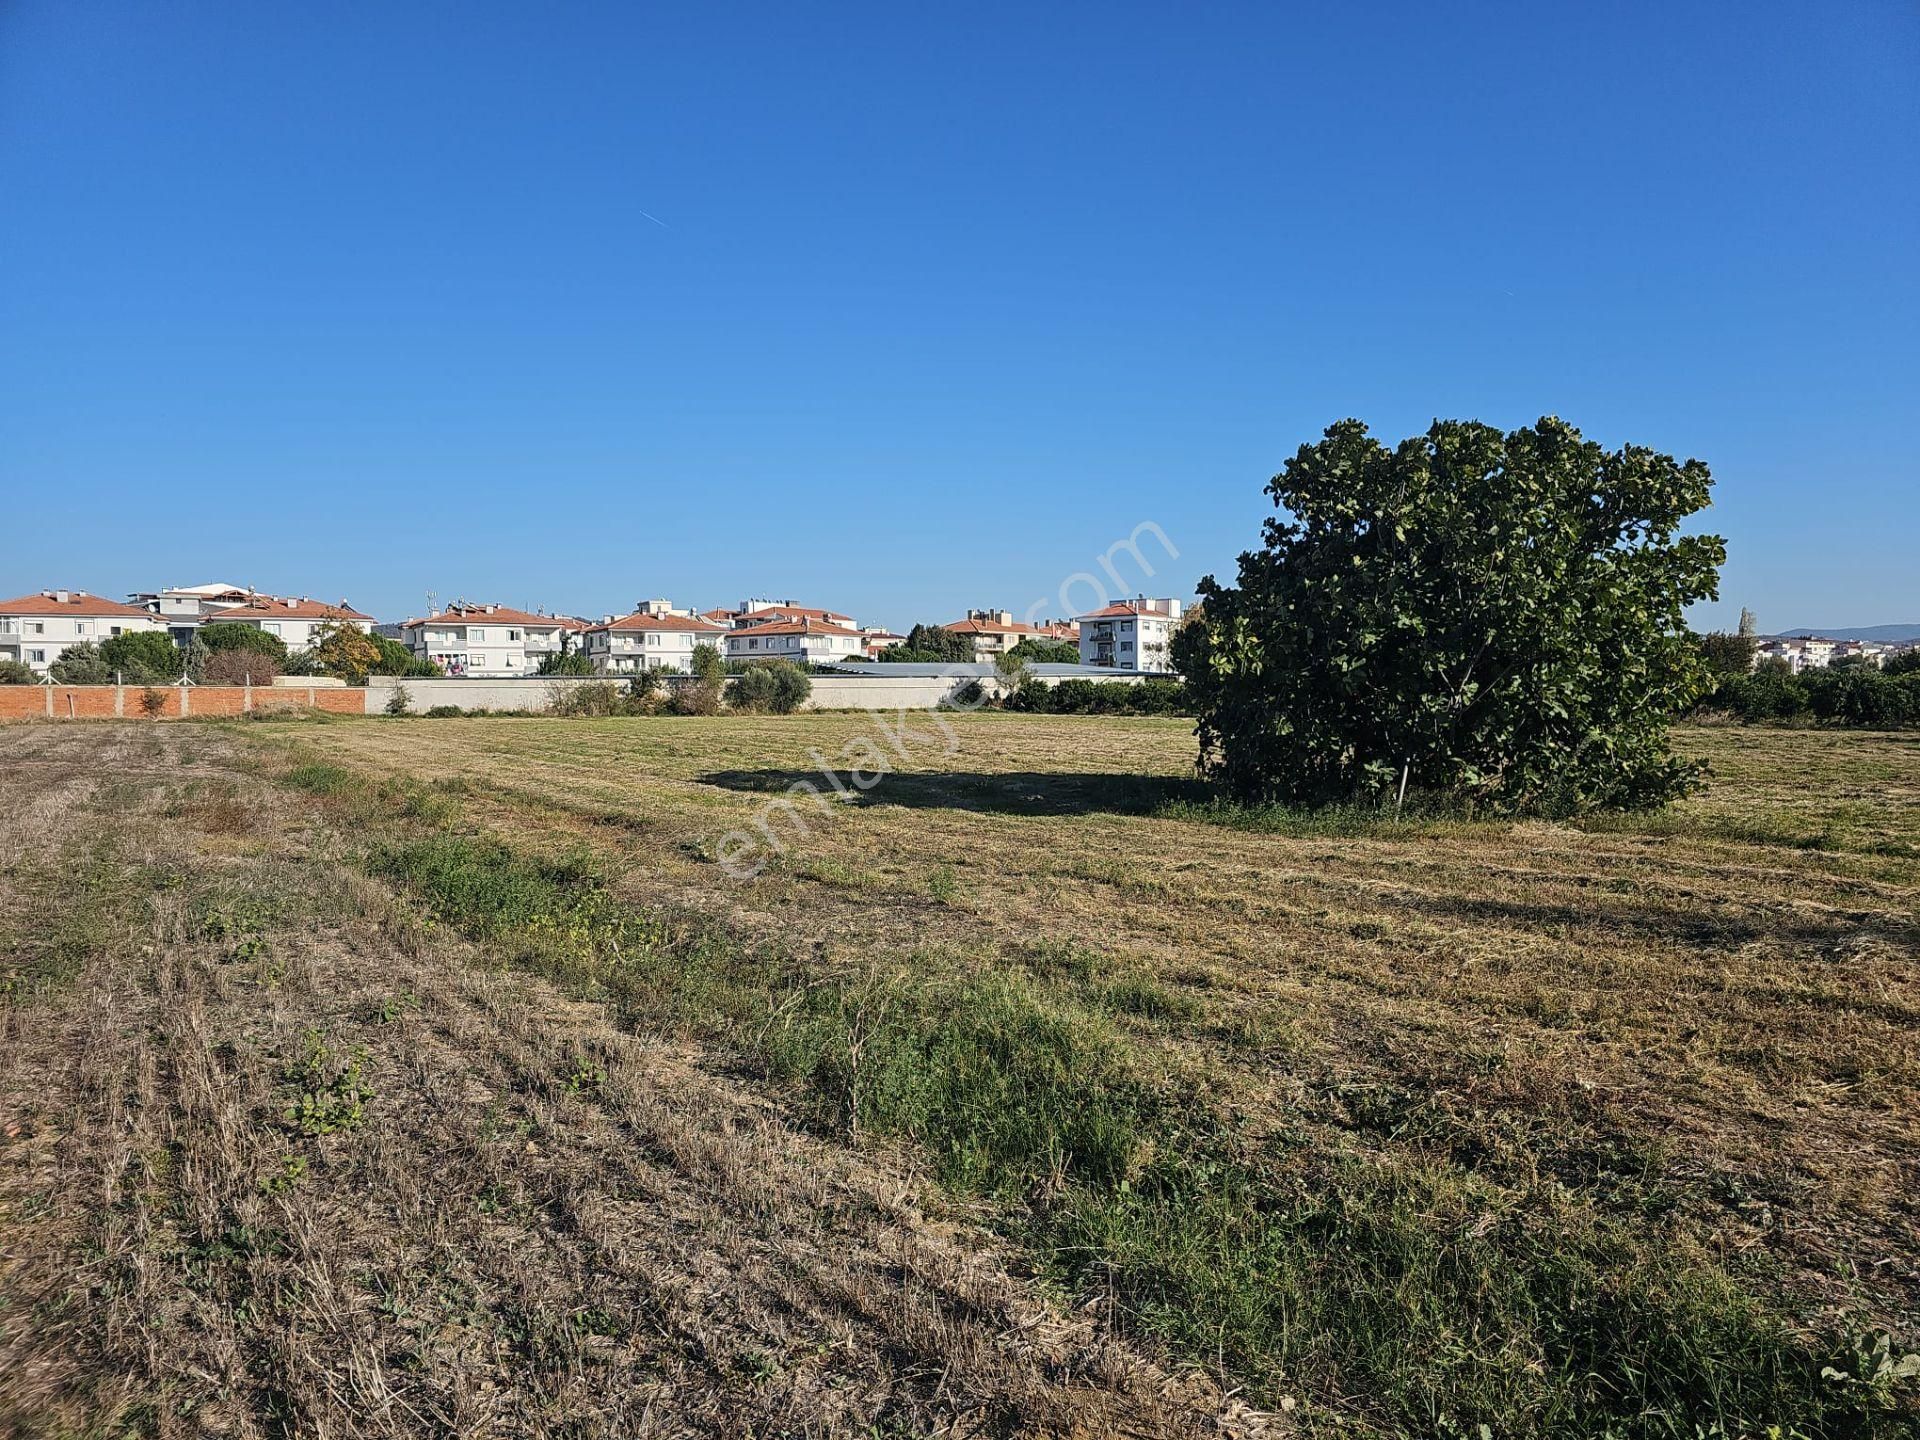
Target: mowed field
x=441, y=1077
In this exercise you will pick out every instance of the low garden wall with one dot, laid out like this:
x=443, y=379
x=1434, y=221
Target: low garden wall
x=174, y=702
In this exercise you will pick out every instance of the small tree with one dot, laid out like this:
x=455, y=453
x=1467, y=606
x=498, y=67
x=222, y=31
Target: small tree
x=234, y=636
x=240, y=667
x=1011, y=666
x=400, y=702
x=564, y=662
x=16, y=672
x=345, y=651
x=1048, y=652
x=704, y=695
x=1728, y=654
x=396, y=659
x=153, y=701
x=1499, y=614
x=143, y=657
x=82, y=665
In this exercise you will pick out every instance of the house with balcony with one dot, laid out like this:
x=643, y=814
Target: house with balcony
x=183, y=607
x=1130, y=635
x=490, y=641
x=298, y=622
x=772, y=612
x=36, y=629
x=654, y=637
x=994, y=632
x=804, y=641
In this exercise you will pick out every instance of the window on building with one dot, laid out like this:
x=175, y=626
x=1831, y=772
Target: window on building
x=479, y=662
x=36, y=627
x=512, y=636
x=79, y=627
x=272, y=627
x=37, y=657
x=477, y=635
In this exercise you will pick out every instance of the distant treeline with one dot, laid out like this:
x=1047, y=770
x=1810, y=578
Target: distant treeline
x=1851, y=693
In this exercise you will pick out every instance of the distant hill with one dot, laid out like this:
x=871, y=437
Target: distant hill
x=1885, y=634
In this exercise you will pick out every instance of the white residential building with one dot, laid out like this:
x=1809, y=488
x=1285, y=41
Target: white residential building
x=296, y=622
x=993, y=632
x=36, y=629
x=492, y=641
x=769, y=612
x=654, y=637
x=804, y=641
x=1130, y=635
x=183, y=607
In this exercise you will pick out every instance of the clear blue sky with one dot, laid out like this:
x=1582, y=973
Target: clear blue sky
x=898, y=308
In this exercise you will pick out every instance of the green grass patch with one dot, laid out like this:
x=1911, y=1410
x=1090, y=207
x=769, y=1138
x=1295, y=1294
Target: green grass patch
x=1402, y=1291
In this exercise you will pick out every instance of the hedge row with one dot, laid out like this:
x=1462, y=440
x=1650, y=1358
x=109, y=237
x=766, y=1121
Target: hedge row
x=1099, y=697
x=1856, y=695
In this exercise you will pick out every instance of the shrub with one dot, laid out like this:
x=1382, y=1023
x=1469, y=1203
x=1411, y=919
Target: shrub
x=345, y=651
x=1034, y=697
x=241, y=666
x=218, y=638
x=778, y=686
x=564, y=662
x=142, y=657
x=1160, y=697
x=153, y=701
x=400, y=701
x=15, y=672
x=81, y=665
x=444, y=712
x=1073, y=697
x=594, y=700
x=397, y=660
x=1047, y=652
x=1907, y=662
x=1727, y=654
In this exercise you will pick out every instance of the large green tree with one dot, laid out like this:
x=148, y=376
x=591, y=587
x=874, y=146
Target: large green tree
x=143, y=657
x=1499, y=614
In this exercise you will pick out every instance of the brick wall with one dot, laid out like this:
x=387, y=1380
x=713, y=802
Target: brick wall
x=105, y=702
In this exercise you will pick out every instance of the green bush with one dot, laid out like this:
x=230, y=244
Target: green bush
x=772, y=686
x=220, y=638
x=82, y=665
x=397, y=660
x=564, y=662
x=1074, y=697
x=16, y=672
x=142, y=657
x=1048, y=652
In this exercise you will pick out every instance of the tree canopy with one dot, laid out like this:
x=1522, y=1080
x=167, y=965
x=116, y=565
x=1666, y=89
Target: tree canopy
x=1499, y=614
x=143, y=657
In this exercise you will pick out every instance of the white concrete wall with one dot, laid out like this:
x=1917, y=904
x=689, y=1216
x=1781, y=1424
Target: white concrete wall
x=830, y=692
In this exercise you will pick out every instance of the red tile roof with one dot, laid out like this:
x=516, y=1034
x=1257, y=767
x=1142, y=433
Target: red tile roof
x=78, y=602
x=768, y=613
x=1126, y=609
x=268, y=607
x=795, y=627
x=640, y=620
x=498, y=615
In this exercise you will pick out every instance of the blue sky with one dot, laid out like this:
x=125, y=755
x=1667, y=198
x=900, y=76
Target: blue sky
x=900, y=309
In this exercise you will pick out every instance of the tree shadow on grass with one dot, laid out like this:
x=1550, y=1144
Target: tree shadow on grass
x=1009, y=793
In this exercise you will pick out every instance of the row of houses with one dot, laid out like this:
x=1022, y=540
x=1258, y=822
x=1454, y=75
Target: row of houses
x=1812, y=652
x=499, y=641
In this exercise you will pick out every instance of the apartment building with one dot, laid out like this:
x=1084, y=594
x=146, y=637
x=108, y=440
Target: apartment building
x=803, y=641
x=490, y=641
x=183, y=607
x=1130, y=635
x=296, y=622
x=774, y=612
x=36, y=629
x=654, y=637
x=994, y=632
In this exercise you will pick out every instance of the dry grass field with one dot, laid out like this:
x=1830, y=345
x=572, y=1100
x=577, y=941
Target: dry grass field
x=436, y=1077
